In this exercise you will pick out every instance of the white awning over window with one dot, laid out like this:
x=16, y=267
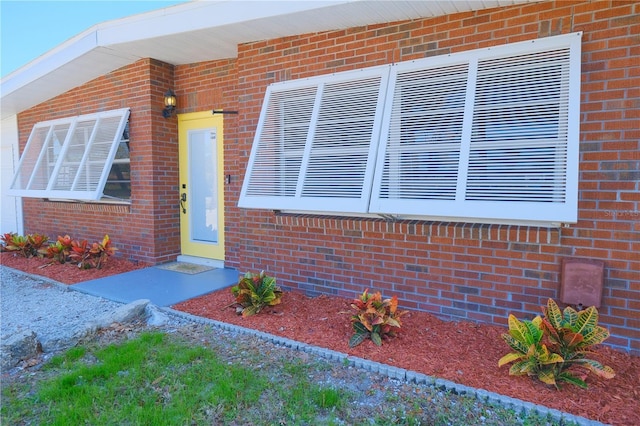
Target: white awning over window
x=70, y=158
x=489, y=135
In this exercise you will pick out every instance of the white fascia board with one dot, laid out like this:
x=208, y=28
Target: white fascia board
x=66, y=52
x=58, y=71
x=34, y=86
x=200, y=15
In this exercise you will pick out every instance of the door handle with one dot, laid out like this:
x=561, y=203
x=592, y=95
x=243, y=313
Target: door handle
x=183, y=199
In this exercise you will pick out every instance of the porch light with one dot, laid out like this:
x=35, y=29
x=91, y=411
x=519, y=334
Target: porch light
x=169, y=104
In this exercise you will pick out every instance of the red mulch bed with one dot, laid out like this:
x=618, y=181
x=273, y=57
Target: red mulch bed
x=67, y=273
x=463, y=352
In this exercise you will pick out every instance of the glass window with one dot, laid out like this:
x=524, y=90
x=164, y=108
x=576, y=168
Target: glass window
x=118, y=185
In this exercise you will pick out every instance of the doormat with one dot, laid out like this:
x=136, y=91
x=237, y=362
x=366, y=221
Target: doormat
x=185, y=268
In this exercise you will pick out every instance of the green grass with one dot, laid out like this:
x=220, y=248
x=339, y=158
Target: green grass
x=164, y=379
x=153, y=380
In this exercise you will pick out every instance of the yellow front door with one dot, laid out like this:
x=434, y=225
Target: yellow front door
x=201, y=186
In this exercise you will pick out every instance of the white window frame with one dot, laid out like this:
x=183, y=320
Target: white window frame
x=114, y=180
x=70, y=158
x=516, y=153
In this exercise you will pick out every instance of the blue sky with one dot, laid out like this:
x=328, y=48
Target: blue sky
x=29, y=29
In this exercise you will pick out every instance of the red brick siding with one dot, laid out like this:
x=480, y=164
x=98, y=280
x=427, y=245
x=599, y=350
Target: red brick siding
x=147, y=230
x=463, y=271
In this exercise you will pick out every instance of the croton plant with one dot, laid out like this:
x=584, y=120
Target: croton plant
x=94, y=255
x=554, y=348
x=375, y=318
x=255, y=291
x=64, y=249
x=25, y=245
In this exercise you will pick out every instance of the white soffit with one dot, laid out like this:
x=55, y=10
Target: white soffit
x=200, y=31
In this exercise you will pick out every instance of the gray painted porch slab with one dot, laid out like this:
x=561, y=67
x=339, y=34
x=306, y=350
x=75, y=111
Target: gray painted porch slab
x=162, y=287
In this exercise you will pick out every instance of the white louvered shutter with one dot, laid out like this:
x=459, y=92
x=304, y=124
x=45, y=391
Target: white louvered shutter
x=40, y=156
x=279, y=144
x=421, y=153
x=518, y=149
x=70, y=158
x=316, y=144
x=516, y=129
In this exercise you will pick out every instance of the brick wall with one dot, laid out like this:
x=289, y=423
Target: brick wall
x=455, y=270
x=148, y=229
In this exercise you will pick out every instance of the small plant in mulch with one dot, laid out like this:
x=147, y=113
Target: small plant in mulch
x=91, y=256
x=59, y=250
x=375, y=319
x=63, y=250
x=554, y=348
x=25, y=245
x=255, y=291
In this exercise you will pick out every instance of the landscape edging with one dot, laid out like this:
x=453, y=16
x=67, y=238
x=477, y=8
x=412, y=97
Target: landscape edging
x=392, y=372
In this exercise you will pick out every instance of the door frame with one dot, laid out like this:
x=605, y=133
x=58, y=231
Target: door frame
x=187, y=122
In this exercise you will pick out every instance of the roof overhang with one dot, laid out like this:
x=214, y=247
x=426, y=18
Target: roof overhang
x=200, y=31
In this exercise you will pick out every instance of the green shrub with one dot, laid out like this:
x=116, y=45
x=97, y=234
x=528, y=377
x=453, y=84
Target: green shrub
x=255, y=291
x=375, y=318
x=25, y=245
x=555, y=348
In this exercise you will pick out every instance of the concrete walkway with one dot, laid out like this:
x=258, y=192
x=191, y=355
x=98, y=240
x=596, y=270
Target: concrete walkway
x=163, y=287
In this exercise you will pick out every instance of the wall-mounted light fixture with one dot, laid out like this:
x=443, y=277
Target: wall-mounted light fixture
x=169, y=104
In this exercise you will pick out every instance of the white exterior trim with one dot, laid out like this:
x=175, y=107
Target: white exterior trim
x=11, y=211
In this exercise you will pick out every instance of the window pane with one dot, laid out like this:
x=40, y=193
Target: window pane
x=519, y=144
x=340, y=147
x=119, y=181
x=423, y=145
x=203, y=197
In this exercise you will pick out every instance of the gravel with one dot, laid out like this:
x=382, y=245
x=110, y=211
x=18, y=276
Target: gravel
x=58, y=315
x=50, y=309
